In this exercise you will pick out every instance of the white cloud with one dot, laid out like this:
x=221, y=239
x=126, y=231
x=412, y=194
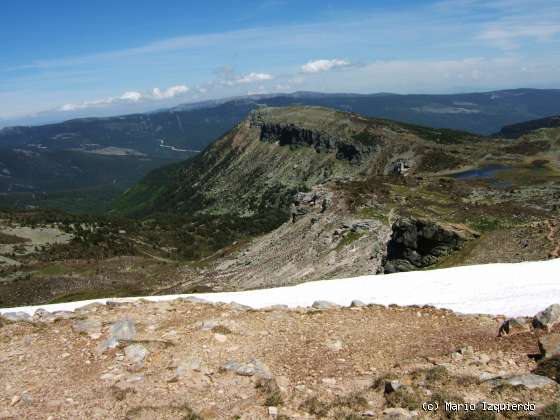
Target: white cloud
x=130, y=97
x=254, y=77
x=507, y=36
x=318, y=66
x=169, y=92
x=232, y=80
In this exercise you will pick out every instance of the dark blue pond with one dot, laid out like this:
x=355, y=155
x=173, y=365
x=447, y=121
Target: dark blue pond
x=488, y=172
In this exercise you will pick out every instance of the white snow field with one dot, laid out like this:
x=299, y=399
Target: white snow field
x=521, y=289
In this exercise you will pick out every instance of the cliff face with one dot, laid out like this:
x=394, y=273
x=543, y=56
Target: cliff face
x=322, y=142
x=421, y=243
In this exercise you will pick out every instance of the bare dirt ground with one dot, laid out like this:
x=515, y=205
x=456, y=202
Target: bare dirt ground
x=214, y=361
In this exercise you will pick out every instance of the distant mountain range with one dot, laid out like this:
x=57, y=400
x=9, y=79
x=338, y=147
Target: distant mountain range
x=50, y=157
x=515, y=131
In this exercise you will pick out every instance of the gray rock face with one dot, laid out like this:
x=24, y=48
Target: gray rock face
x=323, y=304
x=349, y=149
x=549, y=345
x=513, y=326
x=252, y=368
x=136, y=353
x=16, y=316
x=548, y=318
x=528, y=380
x=123, y=330
x=419, y=243
x=120, y=330
x=357, y=304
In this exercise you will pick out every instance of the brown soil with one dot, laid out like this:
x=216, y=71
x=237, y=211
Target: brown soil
x=325, y=364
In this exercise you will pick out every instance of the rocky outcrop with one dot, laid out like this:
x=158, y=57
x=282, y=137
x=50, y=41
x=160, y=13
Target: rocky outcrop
x=547, y=318
x=549, y=345
x=306, y=202
x=420, y=243
x=286, y=134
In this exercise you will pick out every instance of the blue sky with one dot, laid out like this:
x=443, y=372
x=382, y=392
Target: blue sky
x=62, y=59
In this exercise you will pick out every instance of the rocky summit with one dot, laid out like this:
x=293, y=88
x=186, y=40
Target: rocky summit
x=196, y=360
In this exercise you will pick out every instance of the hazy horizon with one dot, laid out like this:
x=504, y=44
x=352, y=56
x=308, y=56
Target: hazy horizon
x=110, y=59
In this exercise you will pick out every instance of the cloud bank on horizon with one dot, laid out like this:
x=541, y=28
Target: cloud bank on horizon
x=259, y=46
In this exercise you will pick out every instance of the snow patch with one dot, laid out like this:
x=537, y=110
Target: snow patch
x=521, y=289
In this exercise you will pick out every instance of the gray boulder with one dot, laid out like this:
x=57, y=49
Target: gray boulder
x=123, y=330
x=120, y=330
x=323, y=304
x=548, y=318
x=16, y=316
x=136, y=353
x=253, y=368
x=549, y=345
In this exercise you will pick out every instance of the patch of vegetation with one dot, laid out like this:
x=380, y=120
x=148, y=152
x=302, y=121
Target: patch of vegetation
x=271, y=391
x=528, y=147
x=95, y=294
x=442, y=135
x=366, y=138
x=348, y=238
x=437, y=374
x=478, y=414
x=221, y=329
x=405, y=397
x=315, y=406
x=435, y=160
x=485, y=224
x=354, y=401
x=183, y=412
x=120, y=394
x=52, y=270
x=372, y=213
x=550, y=412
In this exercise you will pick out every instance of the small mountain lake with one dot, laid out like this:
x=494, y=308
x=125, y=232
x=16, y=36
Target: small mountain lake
x=487, y=171
x=504, y=176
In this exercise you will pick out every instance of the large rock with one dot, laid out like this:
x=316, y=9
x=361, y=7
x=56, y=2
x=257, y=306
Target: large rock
x=513, y=326
x=16, y=316
x=252, y=368
x=324, y=304
x=136, y=353
x=548, y=318
x=123, y=330
x=120, y=330
x=549, y=345
x=417, y=243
